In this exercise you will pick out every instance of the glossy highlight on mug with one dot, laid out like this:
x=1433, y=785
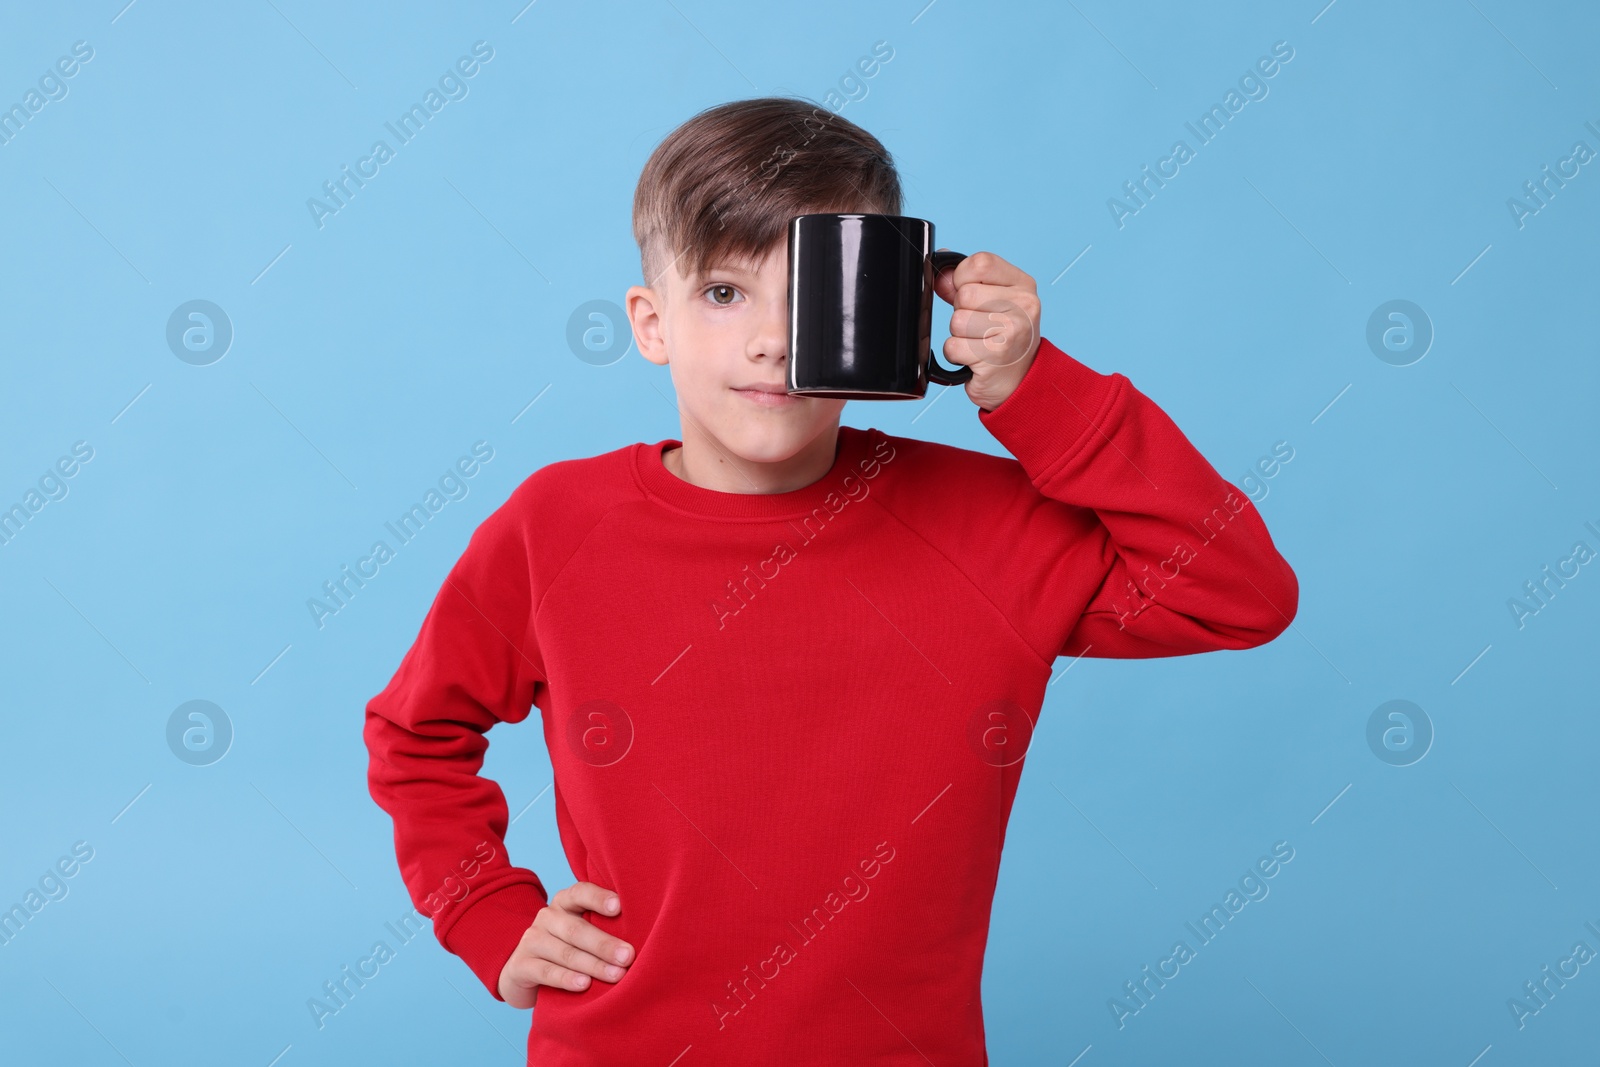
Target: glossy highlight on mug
x=861, y=307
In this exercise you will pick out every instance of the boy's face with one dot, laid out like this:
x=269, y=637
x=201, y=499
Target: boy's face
x=724, y=337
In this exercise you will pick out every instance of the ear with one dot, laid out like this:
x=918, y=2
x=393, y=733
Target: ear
x=645, y=310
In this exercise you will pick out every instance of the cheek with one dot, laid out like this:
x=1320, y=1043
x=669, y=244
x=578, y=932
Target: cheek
x=700, y=374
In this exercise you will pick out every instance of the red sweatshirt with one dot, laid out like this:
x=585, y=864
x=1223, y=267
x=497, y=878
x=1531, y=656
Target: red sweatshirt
x=787, y=728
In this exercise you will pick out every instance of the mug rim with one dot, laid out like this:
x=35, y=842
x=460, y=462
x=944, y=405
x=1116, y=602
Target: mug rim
x=856, y=215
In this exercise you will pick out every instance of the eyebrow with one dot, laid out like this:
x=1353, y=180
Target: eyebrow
x=724, y=267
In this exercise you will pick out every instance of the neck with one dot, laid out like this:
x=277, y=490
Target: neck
x=703, y=461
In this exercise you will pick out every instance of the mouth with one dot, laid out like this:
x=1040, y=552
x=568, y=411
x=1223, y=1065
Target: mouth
x=773, y=396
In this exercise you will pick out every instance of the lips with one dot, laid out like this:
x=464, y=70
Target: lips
x=767, y=395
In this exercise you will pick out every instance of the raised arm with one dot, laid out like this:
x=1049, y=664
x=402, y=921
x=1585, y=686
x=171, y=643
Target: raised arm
x=1177, y=560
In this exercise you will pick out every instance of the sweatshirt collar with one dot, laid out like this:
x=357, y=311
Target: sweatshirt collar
x=664, y=487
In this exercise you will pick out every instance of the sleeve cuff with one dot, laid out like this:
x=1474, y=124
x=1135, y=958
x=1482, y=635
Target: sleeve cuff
x=488, y=932
x=1057, y=403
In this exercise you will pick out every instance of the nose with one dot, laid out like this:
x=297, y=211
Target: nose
x=770, y=342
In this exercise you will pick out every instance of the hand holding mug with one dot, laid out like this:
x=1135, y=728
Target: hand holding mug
x=861, y=294
x=994, y=328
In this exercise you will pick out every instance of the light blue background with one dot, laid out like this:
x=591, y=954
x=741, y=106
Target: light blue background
x=429, y=312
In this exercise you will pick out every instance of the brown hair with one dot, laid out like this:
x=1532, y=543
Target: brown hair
x=723, y=185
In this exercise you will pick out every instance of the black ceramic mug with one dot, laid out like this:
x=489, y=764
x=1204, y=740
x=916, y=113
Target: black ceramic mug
x=861, y=306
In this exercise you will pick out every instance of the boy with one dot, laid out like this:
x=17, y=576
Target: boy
x=787, y=669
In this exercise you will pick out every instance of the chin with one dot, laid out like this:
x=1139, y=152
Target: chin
x=768, y=444
x=773, y=440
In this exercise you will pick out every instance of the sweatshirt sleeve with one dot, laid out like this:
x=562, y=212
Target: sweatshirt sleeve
x=474, y=663
x=1173, y=559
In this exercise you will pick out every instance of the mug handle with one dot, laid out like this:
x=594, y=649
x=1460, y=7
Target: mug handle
x=944, y=259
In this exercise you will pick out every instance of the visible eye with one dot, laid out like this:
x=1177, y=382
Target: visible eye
x=729, y=290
